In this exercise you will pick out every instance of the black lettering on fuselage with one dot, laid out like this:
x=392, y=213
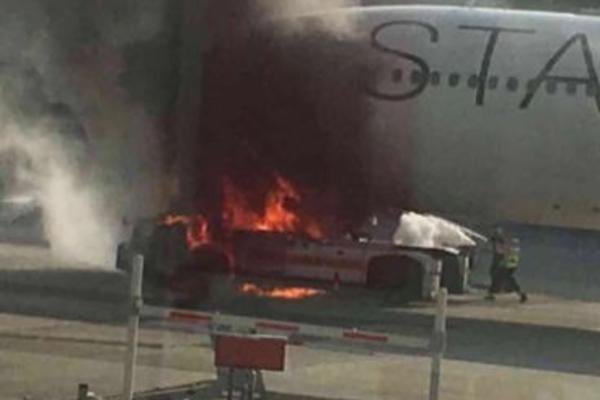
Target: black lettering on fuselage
x=488, y=54
x=423, y=71
x=545, y=76
x=418, y=61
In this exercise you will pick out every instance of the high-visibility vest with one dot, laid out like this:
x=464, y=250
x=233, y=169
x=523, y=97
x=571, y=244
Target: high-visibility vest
x=512, y=257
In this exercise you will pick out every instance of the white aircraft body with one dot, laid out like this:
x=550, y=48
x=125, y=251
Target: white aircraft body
x=488, y=114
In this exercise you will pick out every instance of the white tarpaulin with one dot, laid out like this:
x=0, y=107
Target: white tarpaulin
x=422, y=230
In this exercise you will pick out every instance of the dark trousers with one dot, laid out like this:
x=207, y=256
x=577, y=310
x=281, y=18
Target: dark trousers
x=495, y=275
x=503, y=279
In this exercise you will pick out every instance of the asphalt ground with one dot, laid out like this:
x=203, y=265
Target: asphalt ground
x=63, y=324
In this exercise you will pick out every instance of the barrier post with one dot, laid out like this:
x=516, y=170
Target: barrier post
x=438, y=344
x=135, y=298
x=230, y=377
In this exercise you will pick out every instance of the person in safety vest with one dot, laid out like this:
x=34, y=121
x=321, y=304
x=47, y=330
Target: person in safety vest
x=499, y=243
x=506, y=272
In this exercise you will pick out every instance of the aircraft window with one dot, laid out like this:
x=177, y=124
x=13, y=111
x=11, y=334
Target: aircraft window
x=434, y=78
x=512, y=84
x=551, y=87
x=493, y=82
x=571, y=88
x=397, y=75
x=454, y=79
x=417, y=77
x=473, y=81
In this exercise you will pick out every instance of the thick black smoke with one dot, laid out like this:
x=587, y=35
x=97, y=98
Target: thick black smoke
x=288, y=97
x=151, y=104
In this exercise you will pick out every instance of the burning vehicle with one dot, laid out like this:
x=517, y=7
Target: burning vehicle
x=273, y=176
x=278, y=252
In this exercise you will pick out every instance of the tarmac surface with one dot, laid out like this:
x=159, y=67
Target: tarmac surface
x=64, y=323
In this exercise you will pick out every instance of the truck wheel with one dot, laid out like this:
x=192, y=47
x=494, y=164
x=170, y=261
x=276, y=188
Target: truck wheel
x=400, y=274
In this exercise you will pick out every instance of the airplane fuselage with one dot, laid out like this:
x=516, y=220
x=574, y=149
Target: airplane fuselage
x=494, y=113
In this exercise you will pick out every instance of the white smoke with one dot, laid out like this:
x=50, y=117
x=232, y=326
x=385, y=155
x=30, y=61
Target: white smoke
x=301, y=7
x=81, y=97
x=429, y=231
x=76, y=224
x=289, y=12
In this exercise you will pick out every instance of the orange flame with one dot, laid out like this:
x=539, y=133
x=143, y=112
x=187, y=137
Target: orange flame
x=277, y=215
x=296, y=292
x=196, y=234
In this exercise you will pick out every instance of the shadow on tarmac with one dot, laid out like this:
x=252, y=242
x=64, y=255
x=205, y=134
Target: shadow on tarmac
x=88, y=295
x=511, y=344
x=101, y=296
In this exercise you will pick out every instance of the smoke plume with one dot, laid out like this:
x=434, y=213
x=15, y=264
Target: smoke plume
x=75, y=224
x=283, y=94
x=85, y=96
x=292, y=15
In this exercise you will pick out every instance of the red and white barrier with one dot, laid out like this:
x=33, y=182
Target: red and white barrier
x=215, y=322
x=296, y=333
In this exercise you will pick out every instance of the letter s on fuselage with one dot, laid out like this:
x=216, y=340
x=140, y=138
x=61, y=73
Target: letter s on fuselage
x=498, y=111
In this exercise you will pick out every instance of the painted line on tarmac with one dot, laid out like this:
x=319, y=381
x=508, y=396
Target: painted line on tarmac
x=80, y=340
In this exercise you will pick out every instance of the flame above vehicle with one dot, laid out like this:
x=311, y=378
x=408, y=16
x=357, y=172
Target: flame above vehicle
x=280, y=210
x=280, y=292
